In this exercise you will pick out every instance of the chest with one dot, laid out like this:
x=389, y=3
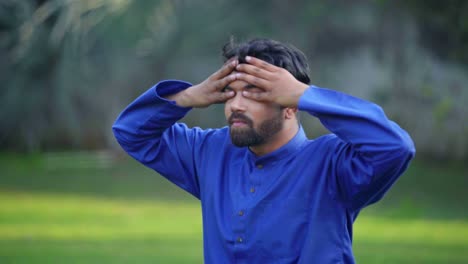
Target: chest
x=266, y=206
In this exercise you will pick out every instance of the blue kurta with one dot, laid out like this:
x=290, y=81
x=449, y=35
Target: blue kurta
x=294, y=205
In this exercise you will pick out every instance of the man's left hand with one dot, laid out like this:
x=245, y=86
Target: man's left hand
x=277, y=85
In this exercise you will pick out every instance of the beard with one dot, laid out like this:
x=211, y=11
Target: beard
x=249, y=136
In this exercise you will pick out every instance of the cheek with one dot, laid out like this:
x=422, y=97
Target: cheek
x=267, y=114
x=261, y=112
x=227, y=111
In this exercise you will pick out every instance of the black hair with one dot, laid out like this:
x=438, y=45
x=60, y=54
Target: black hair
x=274, y=52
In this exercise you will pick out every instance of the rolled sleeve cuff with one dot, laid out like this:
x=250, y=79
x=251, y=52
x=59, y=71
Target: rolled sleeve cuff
x=168, y=87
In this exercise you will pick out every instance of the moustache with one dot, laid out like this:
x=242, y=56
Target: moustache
x=241, y=117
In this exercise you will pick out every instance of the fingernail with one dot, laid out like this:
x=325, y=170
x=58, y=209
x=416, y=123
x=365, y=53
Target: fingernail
x=248, y=58
x=245, y=93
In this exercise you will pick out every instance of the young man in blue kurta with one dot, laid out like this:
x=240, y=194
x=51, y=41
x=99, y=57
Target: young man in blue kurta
x=268, y=194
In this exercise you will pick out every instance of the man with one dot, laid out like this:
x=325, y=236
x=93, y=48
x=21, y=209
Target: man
x=268, y=194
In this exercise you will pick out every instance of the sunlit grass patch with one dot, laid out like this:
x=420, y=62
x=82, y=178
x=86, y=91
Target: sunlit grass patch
x=387, y=240
x=43, y=228
x=437, y=232
x=39, y=216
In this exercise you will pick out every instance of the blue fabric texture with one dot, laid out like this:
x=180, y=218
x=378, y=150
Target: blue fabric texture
x=294, y=205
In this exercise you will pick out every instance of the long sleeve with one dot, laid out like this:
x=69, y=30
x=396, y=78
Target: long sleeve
x=371, y=151
x=147, y=131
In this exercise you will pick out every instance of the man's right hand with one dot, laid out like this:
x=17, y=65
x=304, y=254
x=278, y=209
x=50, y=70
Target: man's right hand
x=210, y=91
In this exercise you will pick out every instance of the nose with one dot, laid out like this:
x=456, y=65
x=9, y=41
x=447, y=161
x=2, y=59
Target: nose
x=237, y=103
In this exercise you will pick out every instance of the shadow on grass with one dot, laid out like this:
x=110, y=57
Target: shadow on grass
x=163, y=250
x=120, y=178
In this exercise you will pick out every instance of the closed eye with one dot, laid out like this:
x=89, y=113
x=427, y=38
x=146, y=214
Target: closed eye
x=226, y=89
x=253, y=88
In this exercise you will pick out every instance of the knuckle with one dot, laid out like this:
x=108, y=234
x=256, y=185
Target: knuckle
x=283, y=71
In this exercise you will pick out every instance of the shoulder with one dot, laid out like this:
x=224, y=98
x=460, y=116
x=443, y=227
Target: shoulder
x=328, y=143
x=212, y=134
x=209, y=136
x=212, y=144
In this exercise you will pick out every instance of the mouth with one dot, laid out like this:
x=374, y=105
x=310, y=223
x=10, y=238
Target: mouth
x=238, y=123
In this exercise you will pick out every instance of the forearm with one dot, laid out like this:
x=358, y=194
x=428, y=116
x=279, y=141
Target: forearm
x=147, y=131
x=360, y=123
x=150, y=114
x=372, y=152
x=181, y=98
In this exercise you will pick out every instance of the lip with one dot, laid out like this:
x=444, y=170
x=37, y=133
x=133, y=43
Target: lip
x=238, y=122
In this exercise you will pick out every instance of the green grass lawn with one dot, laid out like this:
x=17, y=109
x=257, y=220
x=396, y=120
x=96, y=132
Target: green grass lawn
x=42, y=228
x=126, y=214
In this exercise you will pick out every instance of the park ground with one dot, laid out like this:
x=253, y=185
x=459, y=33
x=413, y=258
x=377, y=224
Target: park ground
x=96, y=208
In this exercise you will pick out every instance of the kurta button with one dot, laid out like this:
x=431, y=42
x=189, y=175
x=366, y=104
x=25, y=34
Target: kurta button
x=252, y=189
x=259, y=166
x=239, y=240
x=241, y=213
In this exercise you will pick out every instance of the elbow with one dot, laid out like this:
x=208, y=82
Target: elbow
x=115, y=130
x=115, y=127
x=406, y=148
x=125, y=141
x=118, y=136
x=116, y=133
x=119, y=132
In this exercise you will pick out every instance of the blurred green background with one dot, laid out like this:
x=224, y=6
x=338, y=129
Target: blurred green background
x=68, y=67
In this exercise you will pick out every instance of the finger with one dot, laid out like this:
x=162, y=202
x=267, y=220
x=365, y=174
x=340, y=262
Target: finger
x=222, y=97
x=257, y=96
x=261, y=64
x=220, y=84
x=253, y=80
x=227, y=68
x=231, y=59
x=254, y=70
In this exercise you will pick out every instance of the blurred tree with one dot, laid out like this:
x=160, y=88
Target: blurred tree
x=443, y=26
x=55, y=55
x=69, y=67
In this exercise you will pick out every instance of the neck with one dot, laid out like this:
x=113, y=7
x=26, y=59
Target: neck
x=277, y=141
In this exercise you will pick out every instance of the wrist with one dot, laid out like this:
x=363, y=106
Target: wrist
x=181, y=98
x=302, y=87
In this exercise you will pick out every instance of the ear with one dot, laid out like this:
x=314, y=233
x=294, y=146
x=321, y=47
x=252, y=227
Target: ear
x=290, y=112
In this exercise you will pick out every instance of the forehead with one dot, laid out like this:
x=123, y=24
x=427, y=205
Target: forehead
x=239, y=85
